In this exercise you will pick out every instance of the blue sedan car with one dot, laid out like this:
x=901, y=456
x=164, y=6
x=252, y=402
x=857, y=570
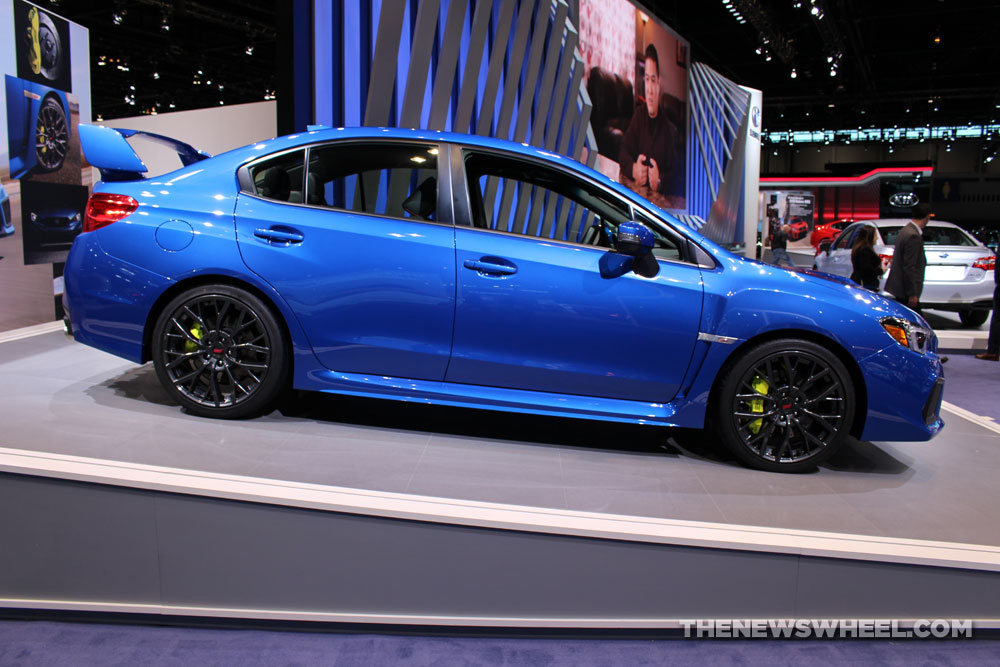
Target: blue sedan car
x=466, y=271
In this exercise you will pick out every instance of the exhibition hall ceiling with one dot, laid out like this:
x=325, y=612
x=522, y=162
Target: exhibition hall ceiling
x=894, y=62
x=910, y=63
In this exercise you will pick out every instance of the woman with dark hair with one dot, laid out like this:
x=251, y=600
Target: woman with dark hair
x=864, y=259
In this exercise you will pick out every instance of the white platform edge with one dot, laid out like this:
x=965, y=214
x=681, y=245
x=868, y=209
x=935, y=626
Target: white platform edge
x=502, y=516
x=393, y=619
x=28, y=332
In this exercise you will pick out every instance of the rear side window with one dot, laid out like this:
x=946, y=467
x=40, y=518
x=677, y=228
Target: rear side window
x=846, y=238
x=397, y=180
x=281, y=178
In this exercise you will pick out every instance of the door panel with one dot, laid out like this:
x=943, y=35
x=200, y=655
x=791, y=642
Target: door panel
x=374, y=294
x=555, y=324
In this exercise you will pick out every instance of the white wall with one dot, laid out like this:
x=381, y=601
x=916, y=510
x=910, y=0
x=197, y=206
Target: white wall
x=215, y=130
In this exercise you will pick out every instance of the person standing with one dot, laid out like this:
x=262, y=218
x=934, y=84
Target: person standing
x=906, y=274
x=779, y=246
x=648, y=153
x=865, y=261
x=992, y=352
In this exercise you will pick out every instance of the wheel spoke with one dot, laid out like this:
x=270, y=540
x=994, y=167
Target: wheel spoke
x=184, y=356
x=216, y=393
x=197, y=317
x=187, y=334
x=235, y=383
x=822, y=420
x=754, y=415
x=193, y=375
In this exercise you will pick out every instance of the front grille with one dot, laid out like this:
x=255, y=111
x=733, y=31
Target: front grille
x=933, y=405
x=6, y=212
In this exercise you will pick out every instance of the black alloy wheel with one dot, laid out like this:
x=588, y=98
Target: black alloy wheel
x=785, y=406
x=220, y=352
x=973, y=318
x=51, y=135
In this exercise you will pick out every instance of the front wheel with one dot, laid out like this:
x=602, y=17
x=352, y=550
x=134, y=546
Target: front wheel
x=220, y=352
x=785, y=406
x=973, y=318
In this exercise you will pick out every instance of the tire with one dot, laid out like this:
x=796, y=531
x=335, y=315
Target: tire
x=51, y=135
x=784, y=406
x=221, y=352
x=973, y=318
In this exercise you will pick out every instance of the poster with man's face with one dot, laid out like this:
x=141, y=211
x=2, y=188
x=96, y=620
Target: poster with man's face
x=636, y=77
x=42, y=45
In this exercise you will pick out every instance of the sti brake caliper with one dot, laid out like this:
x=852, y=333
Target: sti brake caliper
x=196, y=332
x=760, y=386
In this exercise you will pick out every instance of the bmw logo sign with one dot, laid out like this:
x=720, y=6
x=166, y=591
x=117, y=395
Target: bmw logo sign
x=904, y=199
x=755, y=116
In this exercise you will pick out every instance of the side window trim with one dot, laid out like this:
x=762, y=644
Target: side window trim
x=463, y=203
x=443, y=174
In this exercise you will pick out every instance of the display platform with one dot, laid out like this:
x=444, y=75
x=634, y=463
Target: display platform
x=419, y=514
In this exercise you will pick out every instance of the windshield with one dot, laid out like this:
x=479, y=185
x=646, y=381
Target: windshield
x=932, y=236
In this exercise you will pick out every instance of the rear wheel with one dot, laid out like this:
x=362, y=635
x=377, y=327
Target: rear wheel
x=220, y=352
x=785, y=406
x=973, y=318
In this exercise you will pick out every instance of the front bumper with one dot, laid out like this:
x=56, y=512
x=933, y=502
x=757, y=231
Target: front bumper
x=905, y=390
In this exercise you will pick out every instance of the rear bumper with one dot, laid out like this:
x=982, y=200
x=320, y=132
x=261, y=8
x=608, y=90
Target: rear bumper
x=107, y=299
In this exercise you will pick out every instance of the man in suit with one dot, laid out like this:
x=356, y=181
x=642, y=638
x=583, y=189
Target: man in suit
x=906, y=274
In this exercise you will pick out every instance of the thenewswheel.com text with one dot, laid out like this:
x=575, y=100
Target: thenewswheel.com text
x=819, y=628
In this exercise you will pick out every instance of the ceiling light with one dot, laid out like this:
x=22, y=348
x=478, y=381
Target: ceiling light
x=249, y=50
x=794, y=74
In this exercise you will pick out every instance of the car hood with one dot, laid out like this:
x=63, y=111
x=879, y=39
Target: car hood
x=841, y=290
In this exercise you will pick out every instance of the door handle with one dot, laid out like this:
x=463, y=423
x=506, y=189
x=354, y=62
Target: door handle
x=490, y=267
x=278, y=235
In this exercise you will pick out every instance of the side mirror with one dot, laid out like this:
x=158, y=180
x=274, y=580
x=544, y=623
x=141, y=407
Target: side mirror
x=634, y=238
x=825, y=247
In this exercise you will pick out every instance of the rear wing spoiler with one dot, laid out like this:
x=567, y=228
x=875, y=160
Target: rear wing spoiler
x=107, y=149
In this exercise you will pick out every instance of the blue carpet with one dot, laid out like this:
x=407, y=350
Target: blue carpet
x=973, y=384
x=30, y=643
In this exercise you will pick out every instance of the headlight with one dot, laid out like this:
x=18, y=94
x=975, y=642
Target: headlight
x=75, y=217
x=907, y=333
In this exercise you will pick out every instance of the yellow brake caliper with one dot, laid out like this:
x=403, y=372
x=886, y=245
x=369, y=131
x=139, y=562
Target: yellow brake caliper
x=760, y=386
x=197, y=332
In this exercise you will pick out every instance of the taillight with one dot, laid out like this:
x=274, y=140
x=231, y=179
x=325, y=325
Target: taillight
x=104, y=208
x=886, y=262
x=986, y=263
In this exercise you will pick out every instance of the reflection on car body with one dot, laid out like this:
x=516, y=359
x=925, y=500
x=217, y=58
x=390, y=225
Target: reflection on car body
x=467, y=271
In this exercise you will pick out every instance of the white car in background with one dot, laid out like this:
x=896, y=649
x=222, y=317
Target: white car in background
x=959, y=274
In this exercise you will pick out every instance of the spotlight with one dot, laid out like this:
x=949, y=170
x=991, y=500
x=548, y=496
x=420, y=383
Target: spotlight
x=156, y=75
x=794, y=74
x=249, y=50
x=118, y=17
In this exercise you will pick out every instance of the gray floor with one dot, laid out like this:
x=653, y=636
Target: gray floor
x=62, y=397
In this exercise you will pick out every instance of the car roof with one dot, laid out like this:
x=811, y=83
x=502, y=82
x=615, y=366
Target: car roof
x=891, y=222
x=326, y=134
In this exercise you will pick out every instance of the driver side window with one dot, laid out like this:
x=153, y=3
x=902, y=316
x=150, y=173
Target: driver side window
x=520, y=197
